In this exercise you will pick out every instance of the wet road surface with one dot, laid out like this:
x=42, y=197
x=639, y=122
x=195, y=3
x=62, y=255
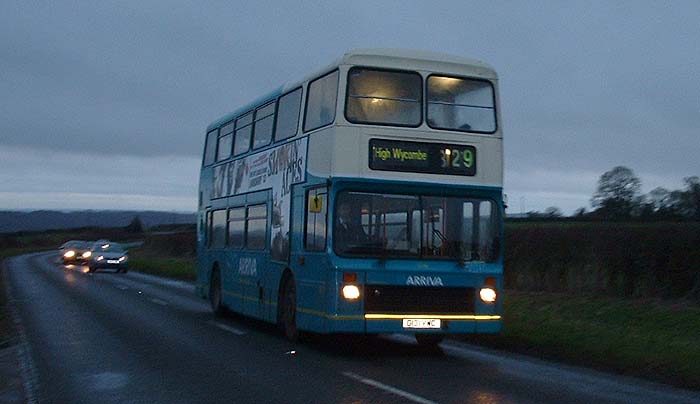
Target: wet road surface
x=134, y=338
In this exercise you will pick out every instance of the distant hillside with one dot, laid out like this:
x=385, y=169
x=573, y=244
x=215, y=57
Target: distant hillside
x=12, y=221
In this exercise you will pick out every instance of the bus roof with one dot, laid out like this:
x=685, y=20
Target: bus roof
x=392, y=58
x=435, y=59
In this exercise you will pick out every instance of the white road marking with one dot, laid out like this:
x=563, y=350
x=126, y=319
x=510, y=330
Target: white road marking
x=159, y=301
x=227, y=328
x=176, y=284
x=390, y=389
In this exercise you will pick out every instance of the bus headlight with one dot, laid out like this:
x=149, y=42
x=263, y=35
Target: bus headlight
x=87, y=254
x=351, y=292
x=69, y=254
x=487, y=295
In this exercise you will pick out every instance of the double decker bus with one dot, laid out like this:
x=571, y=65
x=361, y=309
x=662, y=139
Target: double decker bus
x=365, y=198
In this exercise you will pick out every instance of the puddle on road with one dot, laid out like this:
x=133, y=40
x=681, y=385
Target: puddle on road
x=107, y=381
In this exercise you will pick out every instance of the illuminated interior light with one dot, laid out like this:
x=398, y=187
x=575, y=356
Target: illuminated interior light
x=351, y=292
x=448, y=152
x=375, y=100
x=488, y=295
x=450, y=80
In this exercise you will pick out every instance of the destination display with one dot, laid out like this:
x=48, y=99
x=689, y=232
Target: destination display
x=420, y=157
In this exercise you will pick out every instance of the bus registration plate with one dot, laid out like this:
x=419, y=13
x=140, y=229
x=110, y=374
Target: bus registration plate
x=421, y=323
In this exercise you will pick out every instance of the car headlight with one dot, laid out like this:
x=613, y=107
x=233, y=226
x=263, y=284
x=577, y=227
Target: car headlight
x=100, y=258
x=87, y=254
x=69, y=254
x=123, y=258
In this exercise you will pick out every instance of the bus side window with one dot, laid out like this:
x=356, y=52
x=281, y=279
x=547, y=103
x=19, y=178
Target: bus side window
x=244, y=129
x=210, y=147
x=264, y=122
x=218, y=232
x=316, y=215
x=321, y=100
x=256, y=227
x=225, y=141
x=236, y=227
x=288, y=108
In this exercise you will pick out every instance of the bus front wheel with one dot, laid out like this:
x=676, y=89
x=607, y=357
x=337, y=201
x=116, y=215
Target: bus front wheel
x=288, y=314
x=215, y=293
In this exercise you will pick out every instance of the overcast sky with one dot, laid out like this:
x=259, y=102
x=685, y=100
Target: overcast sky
x=104, y=105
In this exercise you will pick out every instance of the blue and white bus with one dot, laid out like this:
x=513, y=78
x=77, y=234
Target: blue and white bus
x=365, y=198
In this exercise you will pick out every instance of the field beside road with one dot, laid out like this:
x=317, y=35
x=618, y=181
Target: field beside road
x=171, y=255
x=581, y=293
x=649, y=338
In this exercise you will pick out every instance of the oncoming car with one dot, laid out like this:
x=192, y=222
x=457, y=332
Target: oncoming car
x=107, y=254
x=75, y=251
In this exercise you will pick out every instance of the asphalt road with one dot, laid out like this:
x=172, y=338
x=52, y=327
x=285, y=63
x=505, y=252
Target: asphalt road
x=106, y=337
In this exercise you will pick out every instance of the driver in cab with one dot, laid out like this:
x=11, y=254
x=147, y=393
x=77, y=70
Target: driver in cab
x=348, y=231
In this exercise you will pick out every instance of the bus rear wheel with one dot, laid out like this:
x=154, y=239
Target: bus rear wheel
x=215, y=293
x=429, y=340
x=288, y=313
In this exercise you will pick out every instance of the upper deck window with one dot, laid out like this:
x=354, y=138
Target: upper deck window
x=384, y=97
x=288, y=115
x=210, y=148
x=244, y=128
x=461, y=104
x=320, y=101
x=225, y=142
x=264, y=121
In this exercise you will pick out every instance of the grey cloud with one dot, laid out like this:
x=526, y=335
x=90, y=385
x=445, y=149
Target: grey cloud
x=584, y=86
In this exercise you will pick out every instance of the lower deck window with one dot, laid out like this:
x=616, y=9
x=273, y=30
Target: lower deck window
x=218, y=229
x=256, y=227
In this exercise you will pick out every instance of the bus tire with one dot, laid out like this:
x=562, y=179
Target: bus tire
x=288, y=310
x=429, y=340
x=215, y=295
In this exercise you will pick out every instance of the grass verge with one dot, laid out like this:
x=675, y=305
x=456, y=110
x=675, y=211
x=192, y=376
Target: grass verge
x=172, y=267
x=645, y=338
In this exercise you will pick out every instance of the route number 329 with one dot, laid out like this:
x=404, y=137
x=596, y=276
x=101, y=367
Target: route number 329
x=454, y=158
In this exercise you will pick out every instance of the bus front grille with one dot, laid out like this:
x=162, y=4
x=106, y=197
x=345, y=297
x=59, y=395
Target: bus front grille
x=390, y=299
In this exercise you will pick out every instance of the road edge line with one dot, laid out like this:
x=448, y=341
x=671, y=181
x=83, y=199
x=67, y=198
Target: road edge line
x=27, y=368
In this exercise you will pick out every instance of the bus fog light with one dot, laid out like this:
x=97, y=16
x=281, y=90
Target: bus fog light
x=351, y=292
x=487, y=295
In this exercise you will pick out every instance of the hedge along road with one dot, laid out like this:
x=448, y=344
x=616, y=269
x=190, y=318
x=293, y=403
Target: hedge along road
x=107, y=337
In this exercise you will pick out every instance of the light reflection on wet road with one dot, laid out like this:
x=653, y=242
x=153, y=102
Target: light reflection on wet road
x=108, y=337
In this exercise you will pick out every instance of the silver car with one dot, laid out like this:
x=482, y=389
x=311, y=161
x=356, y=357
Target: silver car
x=108, y=254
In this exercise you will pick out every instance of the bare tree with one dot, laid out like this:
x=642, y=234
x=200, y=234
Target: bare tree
x=617, y=192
